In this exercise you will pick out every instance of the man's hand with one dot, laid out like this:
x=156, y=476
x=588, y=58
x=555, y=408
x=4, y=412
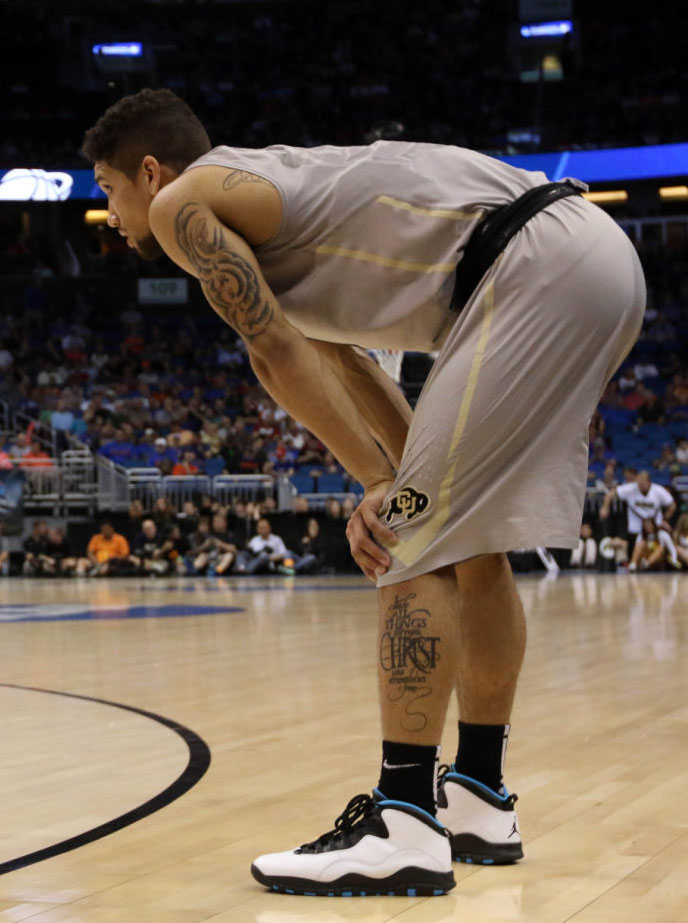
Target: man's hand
x=364, y=530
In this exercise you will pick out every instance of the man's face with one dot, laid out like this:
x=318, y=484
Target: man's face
x=643, y=482
x=107, y=530
x=128, y=204
x=263, y=528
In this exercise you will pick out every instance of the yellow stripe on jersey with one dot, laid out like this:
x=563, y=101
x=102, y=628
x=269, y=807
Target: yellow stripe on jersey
x=407, y=551
x=451, y=213
x=366, y=257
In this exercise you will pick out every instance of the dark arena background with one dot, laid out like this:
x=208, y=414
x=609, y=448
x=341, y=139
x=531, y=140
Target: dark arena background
x=165, y=700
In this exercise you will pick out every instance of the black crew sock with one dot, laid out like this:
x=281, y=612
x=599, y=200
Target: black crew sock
x=409, y=773
x=482, y=751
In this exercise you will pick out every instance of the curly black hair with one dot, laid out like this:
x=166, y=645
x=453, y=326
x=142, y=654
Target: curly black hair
x=155, y=122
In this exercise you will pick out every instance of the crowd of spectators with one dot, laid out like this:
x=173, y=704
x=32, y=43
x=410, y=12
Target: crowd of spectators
x=144, y=393
x=204, y=539
x=308, y=73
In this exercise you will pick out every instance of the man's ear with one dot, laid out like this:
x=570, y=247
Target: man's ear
x=151, y=173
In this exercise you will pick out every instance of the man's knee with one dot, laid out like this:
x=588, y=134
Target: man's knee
x=474, y=574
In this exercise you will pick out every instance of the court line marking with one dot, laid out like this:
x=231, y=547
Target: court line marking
x=196, y=768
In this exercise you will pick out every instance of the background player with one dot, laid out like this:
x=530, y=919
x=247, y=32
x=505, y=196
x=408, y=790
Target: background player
x=645, y=500
x=292, y=247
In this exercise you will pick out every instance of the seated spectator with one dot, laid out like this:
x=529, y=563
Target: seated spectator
x=36, y=457
x=187, y=465
x=35, y=546
x=120, y=450
x=652, y=409
x=59, y=557
x=62, y=417
x=174, y=547
x=312, y=451
x=187, y=520
x=333, y=508
x=164, y=513
x=299, y=505
x=266, y=553
x=682, y=451
x=108, y=552
x=667, y=460
x=609, y=480
x=585, y=554
x=681, y=538
x=19, y=446
x=312, y=548
x=253, y=458
x=136, y=513
x=161, y=452
x=5, y=460
x=146, y=553
x=212, y=551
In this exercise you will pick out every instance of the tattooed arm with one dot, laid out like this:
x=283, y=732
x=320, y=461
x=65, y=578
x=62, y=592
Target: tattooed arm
x=288, y=365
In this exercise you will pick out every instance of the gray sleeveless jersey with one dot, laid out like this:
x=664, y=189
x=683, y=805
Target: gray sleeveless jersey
x=370, y=236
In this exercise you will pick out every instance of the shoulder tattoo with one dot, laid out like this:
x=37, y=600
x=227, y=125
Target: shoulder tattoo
x=228, y=281
x=236, y=177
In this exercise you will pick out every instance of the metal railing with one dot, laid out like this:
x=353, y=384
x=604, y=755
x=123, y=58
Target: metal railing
x=112, y=489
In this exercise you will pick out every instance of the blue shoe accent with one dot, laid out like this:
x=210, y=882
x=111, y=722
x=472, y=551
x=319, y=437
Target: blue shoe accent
x=488, y=861
x=485, y=788
x=378, y=794
x=288, y=891
x=411, y=892
x=391, y=803
x=347, y=893
x=438, y=892
x=309, y=894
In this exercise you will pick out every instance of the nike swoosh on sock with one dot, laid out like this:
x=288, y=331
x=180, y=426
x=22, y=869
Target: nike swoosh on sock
x=386, y=765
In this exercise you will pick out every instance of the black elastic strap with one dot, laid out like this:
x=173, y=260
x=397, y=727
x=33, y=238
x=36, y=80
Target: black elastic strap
x=495, y=231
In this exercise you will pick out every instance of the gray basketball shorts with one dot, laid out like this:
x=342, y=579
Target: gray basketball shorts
x=497, y=453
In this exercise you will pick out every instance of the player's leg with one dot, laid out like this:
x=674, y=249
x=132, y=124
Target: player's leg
x=473, y=802
x=656, y=557
x=666, y=539
x=392, y=839
x=638, y=553
x=682, y=554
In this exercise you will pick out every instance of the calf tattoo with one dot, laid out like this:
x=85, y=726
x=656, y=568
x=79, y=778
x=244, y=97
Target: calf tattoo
x=409, y=654
x=228, y=281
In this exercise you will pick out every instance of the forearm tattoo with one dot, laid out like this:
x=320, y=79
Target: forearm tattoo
x=228, y=281
x=409, y=654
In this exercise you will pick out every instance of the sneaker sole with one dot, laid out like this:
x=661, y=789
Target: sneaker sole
x=409, y=882
x=466, y=847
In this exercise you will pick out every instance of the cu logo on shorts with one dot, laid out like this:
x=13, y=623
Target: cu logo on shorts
x=407, y=502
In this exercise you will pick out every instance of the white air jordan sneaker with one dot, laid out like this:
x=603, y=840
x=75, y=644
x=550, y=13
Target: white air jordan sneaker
x=377, y=847
x=483, y=826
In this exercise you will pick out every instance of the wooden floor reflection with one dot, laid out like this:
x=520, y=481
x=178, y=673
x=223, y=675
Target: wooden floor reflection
x=278, y=677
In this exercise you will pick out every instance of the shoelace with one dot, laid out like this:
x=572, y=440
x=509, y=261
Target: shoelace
x=357, y=810
x=441, y=773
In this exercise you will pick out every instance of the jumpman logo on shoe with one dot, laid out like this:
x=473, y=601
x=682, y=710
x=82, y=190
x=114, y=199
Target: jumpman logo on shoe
x=514, y=831
x=386, y=765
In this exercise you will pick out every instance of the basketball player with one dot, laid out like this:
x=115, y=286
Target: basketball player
x=645, y=500
x=313, y=256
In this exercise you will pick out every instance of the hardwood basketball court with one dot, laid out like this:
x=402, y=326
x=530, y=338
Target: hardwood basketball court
x=277, y=678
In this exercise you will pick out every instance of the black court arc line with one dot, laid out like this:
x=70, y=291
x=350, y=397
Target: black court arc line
x=196, y=768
